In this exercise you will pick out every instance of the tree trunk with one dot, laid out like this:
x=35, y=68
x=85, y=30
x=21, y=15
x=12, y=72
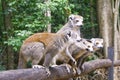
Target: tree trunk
x=115, y=7
x=8, y=55
x=48, y=14
x=109, y=26
x=105, y=19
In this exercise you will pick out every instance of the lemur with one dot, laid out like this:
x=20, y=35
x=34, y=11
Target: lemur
x=33, y=47
x=57, y=45
x=73, y=24
x=97, y=45
x=75, y=50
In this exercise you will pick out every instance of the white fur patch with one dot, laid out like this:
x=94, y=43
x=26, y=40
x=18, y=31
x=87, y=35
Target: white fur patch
x=54, y=65
x=37, y=66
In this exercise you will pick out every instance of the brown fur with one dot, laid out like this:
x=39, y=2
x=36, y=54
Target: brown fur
x=33, y=47
x=40, y=37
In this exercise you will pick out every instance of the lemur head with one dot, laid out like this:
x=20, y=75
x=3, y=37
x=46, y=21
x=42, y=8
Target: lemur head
x=98, y=42
x=89, y=45
x=73, y=36
x=84, y=44
x=76, y=20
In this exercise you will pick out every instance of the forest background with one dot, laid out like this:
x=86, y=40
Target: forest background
x=21, y=18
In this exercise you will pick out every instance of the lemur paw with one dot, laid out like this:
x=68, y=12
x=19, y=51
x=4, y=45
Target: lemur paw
x=47, y=71
x=37, y=66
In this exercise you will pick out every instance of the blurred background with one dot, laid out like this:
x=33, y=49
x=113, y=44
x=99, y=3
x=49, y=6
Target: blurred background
x=21, y=18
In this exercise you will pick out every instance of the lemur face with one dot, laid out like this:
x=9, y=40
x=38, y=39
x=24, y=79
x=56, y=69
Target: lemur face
x=98, y=42
x=76, y=20
x=84, y=44
x=89, y=45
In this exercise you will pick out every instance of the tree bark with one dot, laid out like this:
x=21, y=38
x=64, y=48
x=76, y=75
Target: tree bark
x=48, y=14
x=105, y=19
x=57, y=73
x=115, y=7
x=8, y=54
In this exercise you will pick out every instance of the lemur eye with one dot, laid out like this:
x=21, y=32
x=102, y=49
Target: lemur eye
x=77, y=20
x=88, y=46
x=97, y=43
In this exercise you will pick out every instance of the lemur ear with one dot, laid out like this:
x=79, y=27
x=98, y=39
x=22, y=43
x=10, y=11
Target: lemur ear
x=92, y=40
x=71, y=17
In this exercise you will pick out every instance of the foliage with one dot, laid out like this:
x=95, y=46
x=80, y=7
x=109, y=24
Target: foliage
x=28, y=17
x=87, y=8
x=16, y=41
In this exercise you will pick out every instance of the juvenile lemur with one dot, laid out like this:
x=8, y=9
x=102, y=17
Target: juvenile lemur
x=97, y=45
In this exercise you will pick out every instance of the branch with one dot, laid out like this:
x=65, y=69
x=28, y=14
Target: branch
x=57, y=73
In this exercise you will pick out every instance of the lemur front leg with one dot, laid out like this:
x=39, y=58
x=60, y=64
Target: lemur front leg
x=73, y=60
x=70, y=55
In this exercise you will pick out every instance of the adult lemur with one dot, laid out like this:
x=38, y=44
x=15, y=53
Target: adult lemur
x=33, y=47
